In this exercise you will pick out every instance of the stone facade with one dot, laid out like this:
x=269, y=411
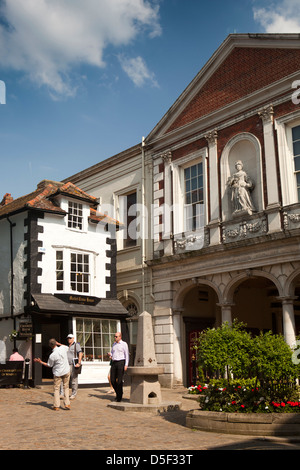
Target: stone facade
x=219, y=179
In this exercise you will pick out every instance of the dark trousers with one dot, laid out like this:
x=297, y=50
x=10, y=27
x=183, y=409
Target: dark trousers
x=116, y=377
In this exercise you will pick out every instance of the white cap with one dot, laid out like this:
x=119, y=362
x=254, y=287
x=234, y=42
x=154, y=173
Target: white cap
x=70, y=336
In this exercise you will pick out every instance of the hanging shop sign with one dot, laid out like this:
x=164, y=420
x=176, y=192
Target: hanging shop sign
x=25, y=330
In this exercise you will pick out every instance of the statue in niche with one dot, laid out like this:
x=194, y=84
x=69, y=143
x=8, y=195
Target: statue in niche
x=241, y=185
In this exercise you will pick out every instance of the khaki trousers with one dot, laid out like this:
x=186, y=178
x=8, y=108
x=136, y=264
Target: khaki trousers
x=64, y=379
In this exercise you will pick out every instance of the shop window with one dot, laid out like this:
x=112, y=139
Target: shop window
x=96, y=337
x=75, y=215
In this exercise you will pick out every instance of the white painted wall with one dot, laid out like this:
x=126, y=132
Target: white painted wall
x=91, y=240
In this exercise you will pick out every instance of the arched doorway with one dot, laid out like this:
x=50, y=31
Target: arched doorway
x=199, y=311
x=256, y=303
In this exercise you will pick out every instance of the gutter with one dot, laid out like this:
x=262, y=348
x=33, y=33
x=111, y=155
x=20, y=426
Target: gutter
x=11, y=271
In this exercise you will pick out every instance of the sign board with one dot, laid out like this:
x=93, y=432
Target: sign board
x=11, y=373
x=78, y=299
x=25, y=330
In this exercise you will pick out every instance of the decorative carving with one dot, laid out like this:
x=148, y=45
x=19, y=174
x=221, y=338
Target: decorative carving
x=240, y=185
x=245, y=229
x=132, y=310
x=211, y=137
x=167, y=157
x=195, y=241
x=293, y=217
x=266, y=114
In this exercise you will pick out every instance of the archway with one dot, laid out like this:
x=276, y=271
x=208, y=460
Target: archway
x=198, y=310
x=256, y=304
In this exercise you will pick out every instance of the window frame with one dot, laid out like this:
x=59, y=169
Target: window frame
x=75, y=214
x=178, y=167
x=284, y=127
x=113, y=327
x=66, y=264
x=122, y=215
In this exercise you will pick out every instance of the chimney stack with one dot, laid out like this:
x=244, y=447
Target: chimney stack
x=7, y=198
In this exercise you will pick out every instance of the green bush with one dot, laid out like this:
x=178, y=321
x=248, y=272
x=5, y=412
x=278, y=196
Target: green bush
x=257, y=373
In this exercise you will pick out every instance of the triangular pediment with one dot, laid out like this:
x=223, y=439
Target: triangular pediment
x=242, y=66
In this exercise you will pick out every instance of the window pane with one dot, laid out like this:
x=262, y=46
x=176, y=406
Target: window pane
x=296, y=147
x=75, y=219
x=297, y=163
x=187, y=173
x=296, y=133
x=97, y=341
x=106, y=340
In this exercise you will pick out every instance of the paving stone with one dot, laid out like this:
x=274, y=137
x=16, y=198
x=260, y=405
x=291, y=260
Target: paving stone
x=28, y=423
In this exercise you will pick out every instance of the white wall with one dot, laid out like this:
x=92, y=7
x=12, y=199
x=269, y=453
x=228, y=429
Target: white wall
x=91, y=240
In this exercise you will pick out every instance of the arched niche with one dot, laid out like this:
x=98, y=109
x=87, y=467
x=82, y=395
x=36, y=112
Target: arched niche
x=246, y=148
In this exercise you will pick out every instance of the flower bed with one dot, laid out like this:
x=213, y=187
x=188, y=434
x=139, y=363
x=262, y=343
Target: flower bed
x=244, y=397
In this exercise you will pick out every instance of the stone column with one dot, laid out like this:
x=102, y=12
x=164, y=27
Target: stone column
x=288, y=319
x=226, y=312
x=271, y=169
x=213, y=223
x=167, y=216
x=178, y=373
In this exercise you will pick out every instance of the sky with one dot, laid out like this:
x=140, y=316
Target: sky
x=87, y=79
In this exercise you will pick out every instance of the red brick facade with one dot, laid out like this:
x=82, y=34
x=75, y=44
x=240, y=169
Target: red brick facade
x=243, y=72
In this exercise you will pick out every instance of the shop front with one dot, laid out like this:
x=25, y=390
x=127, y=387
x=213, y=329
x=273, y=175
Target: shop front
x=93, y=321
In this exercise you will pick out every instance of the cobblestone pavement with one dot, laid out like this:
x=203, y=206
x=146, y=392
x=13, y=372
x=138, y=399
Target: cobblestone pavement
x=27, y=422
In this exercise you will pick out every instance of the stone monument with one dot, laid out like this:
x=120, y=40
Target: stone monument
x=145, y=394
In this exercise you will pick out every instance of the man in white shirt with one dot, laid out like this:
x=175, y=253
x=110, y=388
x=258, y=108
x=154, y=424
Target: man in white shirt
x=58, y=360
x=120, y=359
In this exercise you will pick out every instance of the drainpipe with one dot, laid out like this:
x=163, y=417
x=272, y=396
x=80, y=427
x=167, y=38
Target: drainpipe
x=12, y=274
x=143, y=225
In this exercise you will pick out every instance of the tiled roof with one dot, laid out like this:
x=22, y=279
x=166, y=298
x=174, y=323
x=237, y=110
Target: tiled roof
x=43, y=198
x=99, y=217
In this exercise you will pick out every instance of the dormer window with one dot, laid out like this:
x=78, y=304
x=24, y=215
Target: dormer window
x=75, y=217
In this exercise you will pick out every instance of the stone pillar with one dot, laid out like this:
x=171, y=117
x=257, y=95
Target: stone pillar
x=167, y=216
x=178, y=373
x=226, y=312
x=213, y=223
x=271, y=169
x=288, y=319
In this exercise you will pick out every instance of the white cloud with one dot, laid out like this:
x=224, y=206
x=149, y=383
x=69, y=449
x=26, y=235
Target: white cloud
x=283, y=17
x=137, y=71
x=47, y=38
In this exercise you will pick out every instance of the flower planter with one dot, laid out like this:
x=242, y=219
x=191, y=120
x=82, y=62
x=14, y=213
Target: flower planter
x=251, y=424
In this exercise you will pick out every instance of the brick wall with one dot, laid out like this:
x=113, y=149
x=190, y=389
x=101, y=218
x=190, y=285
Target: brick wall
x=244, y=71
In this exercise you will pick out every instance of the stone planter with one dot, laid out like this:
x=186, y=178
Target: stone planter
x=250, y=424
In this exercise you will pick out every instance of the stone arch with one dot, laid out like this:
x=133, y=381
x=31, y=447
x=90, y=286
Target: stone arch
x=126, y=296
x=189, y=285
x=290, y=284
x=245, y=147
x=243, y=276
